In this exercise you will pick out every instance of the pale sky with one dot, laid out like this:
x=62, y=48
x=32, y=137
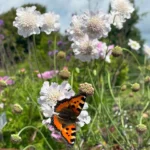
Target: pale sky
x=66, y=7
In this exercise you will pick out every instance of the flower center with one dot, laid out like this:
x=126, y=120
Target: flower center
x=122, y=6
x=78, y=31
x=95, y=24
x=49, y=20
x=53, y=95
x=86, y=48
x=28, y=20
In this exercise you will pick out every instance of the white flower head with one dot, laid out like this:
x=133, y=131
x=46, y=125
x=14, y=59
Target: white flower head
x=85, y=49
x=84, y=117
x=96, y=24
x=117, y=20
x=105, y=51
x=123, y=8
x=50, y=22
x=147, y=50
x=134, y=45
x=50, y=94
x=75, y=31
x=28, y=21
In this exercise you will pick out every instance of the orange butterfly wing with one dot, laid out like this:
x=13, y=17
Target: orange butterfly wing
x=75, y=103
x=64, y=125
x=68, y=131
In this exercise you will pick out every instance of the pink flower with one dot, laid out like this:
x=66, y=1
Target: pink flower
x=48, y=74
x=55, y=134
x=105, y=51
x=6, y=81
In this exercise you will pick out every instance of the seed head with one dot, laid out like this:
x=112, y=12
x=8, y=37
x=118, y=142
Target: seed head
x=86, y=88
x=15, y=138
x=117, y=51
x=64, y=74
x=141, y=128
x=61, y=55
x=135, y=87
x=17, y=109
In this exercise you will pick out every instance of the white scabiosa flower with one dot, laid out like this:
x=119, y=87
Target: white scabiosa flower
x=84, y=117
x=50, y=22
x=147, y=50
x=117, y=20
x=28, y=21
x=86, y=49
x=105, y=51
x=96, y=24
x=134, y=45
x=50, y=94
x=123, y=8
x=75, y=31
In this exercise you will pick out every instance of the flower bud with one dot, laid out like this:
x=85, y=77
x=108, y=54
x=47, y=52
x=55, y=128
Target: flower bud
x=64, y=74
x=131, y=94
x=123, y=88
x=141, y=128
x=77, y=70
x=17, y=109
x=117, y=51
x=86, y=88
x=147, y=79
x=135, y=87
x=61, y=55
x=15, y=138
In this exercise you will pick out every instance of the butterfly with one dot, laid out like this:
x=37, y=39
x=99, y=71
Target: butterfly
x=65, y=121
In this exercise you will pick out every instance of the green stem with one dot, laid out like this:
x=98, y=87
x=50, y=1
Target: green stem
x=29, y=146
x=55, y=40
x=35, y=55
x=147, y=104
x=32, y=127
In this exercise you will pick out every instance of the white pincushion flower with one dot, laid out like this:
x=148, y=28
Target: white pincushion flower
x=75, y=31
x=96, y=25
x=28, y=21
x=123, y=8
x=84, y=117
x=85, y=49
x=50, y=22
x=117, y=20
x=147, y=50
x=50, y=94
x=105, y=51
x=134, y=45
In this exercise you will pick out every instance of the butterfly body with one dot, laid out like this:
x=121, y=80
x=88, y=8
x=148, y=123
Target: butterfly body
x=67, y=112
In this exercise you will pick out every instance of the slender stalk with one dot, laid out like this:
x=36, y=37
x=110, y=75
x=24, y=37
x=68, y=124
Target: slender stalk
x=35, y=55
x=54, y=48
x=29, y=146
x=32, y=127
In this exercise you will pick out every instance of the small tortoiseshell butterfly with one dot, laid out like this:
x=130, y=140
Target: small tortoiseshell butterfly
x=65, y=122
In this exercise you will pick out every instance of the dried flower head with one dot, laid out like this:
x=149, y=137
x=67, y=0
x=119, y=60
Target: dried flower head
x=17, y=109
x=61, y=55
x=28, y=21
x=117, y=51
x=123, y=88
x=141, y=128
x=135, y=87
x=15, y=138
x=147, y=79
x=64, y=74
x=86, y=88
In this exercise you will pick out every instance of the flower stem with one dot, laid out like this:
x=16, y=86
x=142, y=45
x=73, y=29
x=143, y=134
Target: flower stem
x=29, y=146
x=32, y=127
